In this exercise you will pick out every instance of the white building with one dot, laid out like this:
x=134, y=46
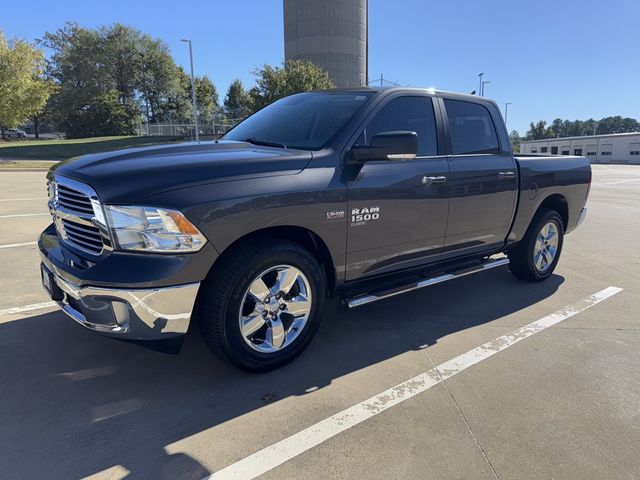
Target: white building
x=613, y=148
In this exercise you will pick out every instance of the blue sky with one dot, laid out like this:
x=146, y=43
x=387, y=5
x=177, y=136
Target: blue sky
x=564, y=58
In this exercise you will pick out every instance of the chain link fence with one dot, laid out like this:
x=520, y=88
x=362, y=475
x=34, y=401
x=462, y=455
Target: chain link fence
x=186, y=130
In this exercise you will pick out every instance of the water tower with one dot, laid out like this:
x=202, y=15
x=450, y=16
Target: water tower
x=330, y=33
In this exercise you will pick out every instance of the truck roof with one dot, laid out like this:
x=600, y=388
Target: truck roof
x=433, y=91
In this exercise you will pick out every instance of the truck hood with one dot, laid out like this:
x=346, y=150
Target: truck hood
x=130, y=175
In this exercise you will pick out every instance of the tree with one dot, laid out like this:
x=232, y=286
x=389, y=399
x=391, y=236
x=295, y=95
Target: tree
x=23, y=90
x=514, y=138
x=206, y=98
x=90, y=66
x=294, y=76
x=236, y=102
x=539, y=131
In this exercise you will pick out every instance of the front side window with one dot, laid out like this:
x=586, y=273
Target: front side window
x=307, y=121
x=412, y=114
x=471, y=127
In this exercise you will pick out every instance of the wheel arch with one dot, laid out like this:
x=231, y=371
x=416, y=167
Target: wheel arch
x=300, y=235
x=558, y=203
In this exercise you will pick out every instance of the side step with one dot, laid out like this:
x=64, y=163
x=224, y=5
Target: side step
x=374, y=297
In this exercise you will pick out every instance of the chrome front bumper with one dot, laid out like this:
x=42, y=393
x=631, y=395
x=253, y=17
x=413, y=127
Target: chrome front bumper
x=137, y=314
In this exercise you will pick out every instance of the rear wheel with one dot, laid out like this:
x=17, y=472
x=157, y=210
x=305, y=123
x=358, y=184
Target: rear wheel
x=536, y=256
x=262, y=304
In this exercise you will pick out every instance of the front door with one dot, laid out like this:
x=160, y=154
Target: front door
x=484, y=181
x=398, y=208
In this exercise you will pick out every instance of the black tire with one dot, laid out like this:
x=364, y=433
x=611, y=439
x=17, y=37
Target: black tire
x=521, y=258
x=222, y=295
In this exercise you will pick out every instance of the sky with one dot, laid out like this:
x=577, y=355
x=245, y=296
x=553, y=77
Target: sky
x=564, y=58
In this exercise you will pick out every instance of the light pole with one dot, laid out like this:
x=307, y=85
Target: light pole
x=193, y=91
x=146, y=94
x=480, y=84
x=506, y=112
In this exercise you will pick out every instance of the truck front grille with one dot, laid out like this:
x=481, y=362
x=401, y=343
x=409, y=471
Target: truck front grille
x=72, y=208
x=73, y=200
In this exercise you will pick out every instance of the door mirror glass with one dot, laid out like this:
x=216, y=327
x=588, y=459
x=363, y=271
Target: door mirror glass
x=399, y=145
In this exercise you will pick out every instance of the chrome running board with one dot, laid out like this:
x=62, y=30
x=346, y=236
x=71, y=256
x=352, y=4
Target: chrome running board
x=371, y=297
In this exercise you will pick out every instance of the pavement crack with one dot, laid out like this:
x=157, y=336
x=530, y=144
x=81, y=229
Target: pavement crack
x=453, y=399
x=464, y=418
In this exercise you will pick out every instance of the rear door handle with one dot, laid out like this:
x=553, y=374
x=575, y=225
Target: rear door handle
x=431, y=180
x=507, y=174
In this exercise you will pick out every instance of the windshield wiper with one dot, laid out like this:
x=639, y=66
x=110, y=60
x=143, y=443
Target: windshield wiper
x=265, y=143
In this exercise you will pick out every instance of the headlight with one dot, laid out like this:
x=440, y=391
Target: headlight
x=151, y=229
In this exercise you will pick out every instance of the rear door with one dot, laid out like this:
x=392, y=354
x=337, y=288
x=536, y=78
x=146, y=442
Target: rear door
x=484, y=179
x=397, y=208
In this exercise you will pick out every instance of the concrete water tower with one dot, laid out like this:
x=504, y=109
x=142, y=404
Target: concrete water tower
x=330, y=33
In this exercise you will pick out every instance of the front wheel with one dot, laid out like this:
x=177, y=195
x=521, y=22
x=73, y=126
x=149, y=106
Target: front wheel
x=536, y=256
x=262, y=304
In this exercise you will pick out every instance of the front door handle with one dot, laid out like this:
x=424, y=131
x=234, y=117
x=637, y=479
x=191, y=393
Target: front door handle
x=507, y=174
x=431, y=180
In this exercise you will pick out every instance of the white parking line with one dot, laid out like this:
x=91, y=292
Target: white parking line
x=24, y=215
x=600, y=184
x=298, y=443
x=12, y=245
x=27, y=308
x=21, y=199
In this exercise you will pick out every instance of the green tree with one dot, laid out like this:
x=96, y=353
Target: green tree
x=294, y=76
x=514, y=138
x=206, y=98
x=90, y=65
x=236, y=102
x=557, y=127
x=23, y=90
x=539, y=130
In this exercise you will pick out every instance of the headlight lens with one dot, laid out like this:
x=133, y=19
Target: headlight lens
x=151, y=229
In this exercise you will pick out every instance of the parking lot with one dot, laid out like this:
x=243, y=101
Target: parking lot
x=557, y=395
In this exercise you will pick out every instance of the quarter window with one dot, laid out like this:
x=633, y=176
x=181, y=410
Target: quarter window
x=413, y=114
x=471, y=127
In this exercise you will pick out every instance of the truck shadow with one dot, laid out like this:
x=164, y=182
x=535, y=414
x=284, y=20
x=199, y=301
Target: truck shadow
x=75, y=404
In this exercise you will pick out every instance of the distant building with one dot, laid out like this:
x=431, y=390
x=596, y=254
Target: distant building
x=612, y=148
x=331, y=34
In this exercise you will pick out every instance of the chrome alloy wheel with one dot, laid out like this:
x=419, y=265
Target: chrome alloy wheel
x=546, y=247
x=275, y=308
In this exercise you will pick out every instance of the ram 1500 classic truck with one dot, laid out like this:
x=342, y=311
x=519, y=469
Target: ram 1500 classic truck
x=356, y=193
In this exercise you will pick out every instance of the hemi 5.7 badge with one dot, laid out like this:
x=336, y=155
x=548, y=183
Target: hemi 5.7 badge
x=360, y=216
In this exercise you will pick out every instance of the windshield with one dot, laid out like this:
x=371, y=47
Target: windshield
x=307, y=121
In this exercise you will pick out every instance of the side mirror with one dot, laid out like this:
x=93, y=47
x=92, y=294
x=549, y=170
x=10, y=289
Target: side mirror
x=401, y=145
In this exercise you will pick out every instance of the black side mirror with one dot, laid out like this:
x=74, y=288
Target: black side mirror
x=401, y=145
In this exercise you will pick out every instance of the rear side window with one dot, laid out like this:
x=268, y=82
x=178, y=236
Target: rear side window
x=472, y=130
x=413, y=114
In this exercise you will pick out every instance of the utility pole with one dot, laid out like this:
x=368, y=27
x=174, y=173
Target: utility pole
x=145, y=92
x=506, y=113
x=480, y=84
x=193, y=91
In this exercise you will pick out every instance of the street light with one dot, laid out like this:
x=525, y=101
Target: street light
x=506, y=112
x=480, y=85
x=193, y=91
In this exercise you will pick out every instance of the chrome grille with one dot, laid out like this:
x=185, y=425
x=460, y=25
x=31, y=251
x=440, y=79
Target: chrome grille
x=72, y=206
x=87, y=237
x=74, y=201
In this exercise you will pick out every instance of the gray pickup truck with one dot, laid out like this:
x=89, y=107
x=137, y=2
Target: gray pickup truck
x=358, y=193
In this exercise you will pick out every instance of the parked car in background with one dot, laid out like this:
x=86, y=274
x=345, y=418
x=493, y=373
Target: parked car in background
x=362, y=194
x=15, y=133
